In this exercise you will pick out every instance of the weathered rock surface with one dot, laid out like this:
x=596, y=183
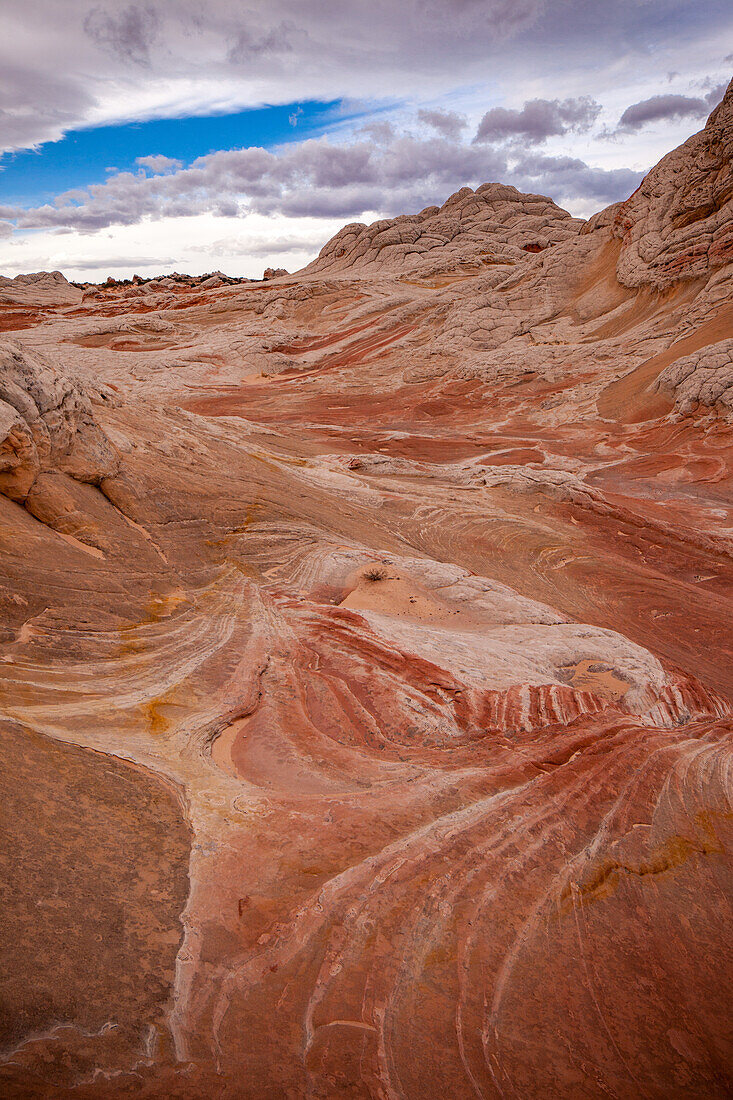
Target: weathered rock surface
x=42, y=288
x=367, y=665
x=703, y=379
x=490, y=227
x=46, y=422
x=679, y=223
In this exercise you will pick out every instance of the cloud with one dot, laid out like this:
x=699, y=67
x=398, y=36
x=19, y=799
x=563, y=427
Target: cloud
x=36, y=104
x=71, y=65
x=126, y=34
x=380, y=131
x=318, y=178
x=538, y=119
x=447, y=123
x=91, y=62
x=111, y=263
x=662, y=108
x=157, y=163
x=251, y=44
x=267, y=246
x=715, y=95
x=569, y=178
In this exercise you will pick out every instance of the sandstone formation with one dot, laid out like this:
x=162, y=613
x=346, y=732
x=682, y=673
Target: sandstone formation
x=489, y=227
x=367, y=667
x=42, y=288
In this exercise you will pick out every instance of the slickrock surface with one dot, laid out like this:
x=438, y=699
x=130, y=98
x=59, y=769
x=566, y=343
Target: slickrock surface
x=367, y=665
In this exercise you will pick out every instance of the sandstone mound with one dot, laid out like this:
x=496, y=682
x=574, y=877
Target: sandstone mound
x=42, y=288
x=493, y=225
x=46, y=423
x=703, y=379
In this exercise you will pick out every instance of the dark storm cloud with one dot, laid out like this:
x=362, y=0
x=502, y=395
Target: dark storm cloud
x=538, y=119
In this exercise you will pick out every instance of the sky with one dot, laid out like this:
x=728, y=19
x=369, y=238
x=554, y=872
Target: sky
x=232, y=135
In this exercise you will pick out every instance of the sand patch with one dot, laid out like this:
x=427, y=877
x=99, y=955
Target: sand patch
x=595, y=676
x=385, y=590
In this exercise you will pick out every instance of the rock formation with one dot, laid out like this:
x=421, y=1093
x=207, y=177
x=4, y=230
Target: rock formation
x=42, y=288
x=492, y=226
x=367, y=665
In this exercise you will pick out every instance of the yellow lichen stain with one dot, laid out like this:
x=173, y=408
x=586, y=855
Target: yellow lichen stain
x=155, y=713
x=159, y=606
x=250, y=517
x=245, y=568
x=131, y=645
x=673, y=853
x=289, y=460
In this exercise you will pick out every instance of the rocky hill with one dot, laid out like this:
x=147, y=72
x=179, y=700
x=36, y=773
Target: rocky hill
x=491, y=226
x=367, y=663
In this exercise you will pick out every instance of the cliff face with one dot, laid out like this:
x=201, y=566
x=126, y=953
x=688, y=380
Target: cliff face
x=679, y=223
x=367, y=663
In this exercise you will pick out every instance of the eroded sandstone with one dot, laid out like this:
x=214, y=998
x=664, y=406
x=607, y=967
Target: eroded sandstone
x=367, y=663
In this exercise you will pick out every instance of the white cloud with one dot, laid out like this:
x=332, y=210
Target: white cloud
x=159, y=164
x=205, y=242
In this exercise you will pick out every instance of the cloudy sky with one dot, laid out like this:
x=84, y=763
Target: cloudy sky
x=236, y=134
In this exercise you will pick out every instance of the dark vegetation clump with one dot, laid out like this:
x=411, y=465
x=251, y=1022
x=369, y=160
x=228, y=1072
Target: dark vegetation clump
x=375, y=574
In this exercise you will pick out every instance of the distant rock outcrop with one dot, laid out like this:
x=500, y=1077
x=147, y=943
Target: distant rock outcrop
x=41, y=288
x=274, y=273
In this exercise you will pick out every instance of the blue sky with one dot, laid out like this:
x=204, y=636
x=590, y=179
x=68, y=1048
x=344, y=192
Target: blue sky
x=139, y=135
x=80, y=157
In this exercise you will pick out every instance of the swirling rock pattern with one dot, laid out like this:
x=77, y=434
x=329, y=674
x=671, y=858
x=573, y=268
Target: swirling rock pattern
x=367, y=668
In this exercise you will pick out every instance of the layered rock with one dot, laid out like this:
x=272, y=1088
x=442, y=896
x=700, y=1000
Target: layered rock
x=367, y=665
x=703, y=380
x=47, y=423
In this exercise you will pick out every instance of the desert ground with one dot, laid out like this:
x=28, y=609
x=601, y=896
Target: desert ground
x=367, y=665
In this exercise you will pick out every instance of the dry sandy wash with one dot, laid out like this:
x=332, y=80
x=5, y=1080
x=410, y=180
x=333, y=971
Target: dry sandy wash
x=367, y=664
